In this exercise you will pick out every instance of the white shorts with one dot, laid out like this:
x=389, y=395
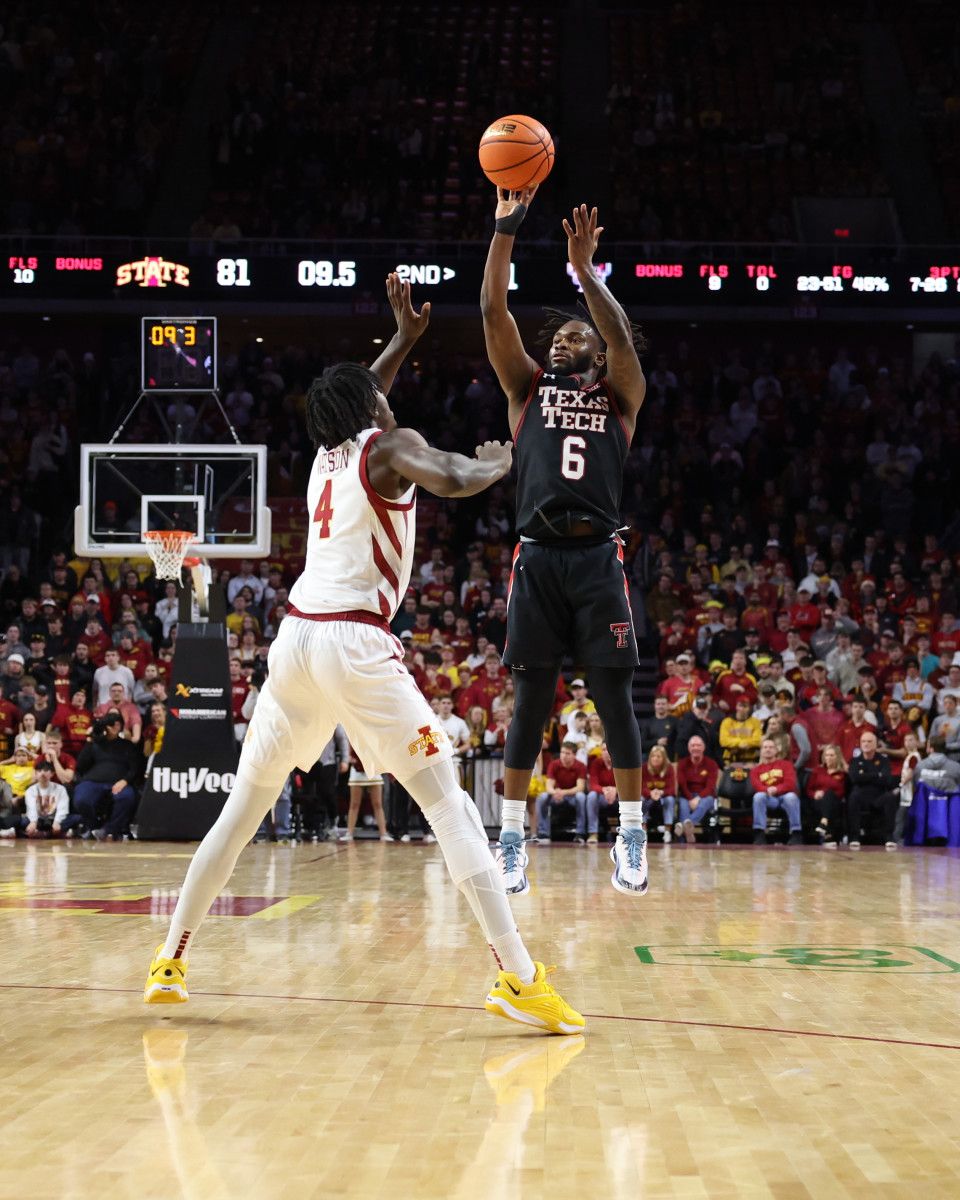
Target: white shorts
x=363, y=778
x=325, y=673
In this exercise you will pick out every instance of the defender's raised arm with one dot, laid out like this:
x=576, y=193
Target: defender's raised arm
x=411, y=325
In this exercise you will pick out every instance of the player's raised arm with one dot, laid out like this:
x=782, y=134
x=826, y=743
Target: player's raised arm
x=411, y=325
x=402, y=457
x=514, y=367
x=612, y=323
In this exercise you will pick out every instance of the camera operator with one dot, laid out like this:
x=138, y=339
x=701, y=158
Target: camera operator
x=107, y=769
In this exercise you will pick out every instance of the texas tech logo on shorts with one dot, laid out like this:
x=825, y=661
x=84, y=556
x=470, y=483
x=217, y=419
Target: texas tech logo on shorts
x=620, y=630
x=429, y=740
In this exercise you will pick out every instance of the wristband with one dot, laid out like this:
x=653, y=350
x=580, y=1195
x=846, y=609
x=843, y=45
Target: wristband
x=512, y=223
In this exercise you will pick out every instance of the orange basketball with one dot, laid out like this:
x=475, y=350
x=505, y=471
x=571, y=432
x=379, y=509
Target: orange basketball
x=516, y=152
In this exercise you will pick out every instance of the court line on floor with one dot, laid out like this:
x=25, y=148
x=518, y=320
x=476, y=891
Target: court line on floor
x=842, y=1037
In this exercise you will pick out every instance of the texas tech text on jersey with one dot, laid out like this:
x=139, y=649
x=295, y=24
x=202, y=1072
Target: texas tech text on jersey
x=571, y=446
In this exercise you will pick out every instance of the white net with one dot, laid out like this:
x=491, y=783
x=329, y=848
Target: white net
x=167, y=548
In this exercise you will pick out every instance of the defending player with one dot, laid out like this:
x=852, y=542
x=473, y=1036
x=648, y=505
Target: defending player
x=572, y=425
x=335, y=659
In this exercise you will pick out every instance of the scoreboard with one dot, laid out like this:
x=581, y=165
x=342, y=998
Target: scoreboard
x=790, y=279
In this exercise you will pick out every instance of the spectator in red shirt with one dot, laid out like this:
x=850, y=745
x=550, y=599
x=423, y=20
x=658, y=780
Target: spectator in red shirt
x=489, y=683
x=680, y=689
x=895, y=729
x=947, y=638
x=827, y=788
x=823, y=722
x=462, y=640
x=132, y=721
x=777, y=637
x=134, y=654
x=96, y=641
x=774, y=783
x=895, y=671
x=804, y=615
x=566, y=780
x=434, y=682
x=603, y=791
x=423, y=631
x=756, y=616
x=462, y=701
x=75, y=722
x=734, y=683
x=697, y=778
x=10, y=717
x=658, y=785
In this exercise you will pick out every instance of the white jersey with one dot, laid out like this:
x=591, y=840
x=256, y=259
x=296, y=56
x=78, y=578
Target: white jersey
x=359, y=545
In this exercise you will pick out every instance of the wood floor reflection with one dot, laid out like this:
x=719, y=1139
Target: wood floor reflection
x=764, y=1023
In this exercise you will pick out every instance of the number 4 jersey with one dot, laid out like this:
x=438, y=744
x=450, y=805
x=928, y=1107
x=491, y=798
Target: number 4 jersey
x=359, y=545
x=571, y=445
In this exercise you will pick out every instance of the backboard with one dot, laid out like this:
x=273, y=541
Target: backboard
x=217, y=491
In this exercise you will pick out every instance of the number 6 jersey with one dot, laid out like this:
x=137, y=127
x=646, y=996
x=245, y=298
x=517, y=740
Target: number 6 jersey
x=571, y=446
x=359, y=545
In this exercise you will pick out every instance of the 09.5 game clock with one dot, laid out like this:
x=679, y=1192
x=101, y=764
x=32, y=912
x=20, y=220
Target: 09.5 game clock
x=178, y=354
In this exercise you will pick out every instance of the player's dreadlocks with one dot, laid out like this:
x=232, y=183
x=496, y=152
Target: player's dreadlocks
x=340, y=403
x=557, y=318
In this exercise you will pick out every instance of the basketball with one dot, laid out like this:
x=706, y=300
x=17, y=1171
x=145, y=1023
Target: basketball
x=516, y=152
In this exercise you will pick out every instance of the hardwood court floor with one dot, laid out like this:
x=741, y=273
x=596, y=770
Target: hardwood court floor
x=763, y=1024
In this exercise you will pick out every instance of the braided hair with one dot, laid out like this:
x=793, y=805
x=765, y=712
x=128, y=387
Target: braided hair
x=558, y=317
x=340, y=403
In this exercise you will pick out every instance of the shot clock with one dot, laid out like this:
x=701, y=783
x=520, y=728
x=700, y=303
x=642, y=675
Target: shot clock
x=178, y=354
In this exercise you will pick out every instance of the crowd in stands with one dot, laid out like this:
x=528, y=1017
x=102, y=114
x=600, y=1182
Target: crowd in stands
x=715, y=124
x=90, y=102
x=929, y=39
x=399, y=101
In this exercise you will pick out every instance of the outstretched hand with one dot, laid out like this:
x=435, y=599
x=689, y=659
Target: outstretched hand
x=410, y=323
x=500, y=453
x=583, y=237
x=507, y=201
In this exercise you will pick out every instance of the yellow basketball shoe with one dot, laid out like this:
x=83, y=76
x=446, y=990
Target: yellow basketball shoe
x=166, y=981
x=536, y=1003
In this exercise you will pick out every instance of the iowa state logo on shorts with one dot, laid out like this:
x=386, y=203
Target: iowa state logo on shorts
x=429, y=740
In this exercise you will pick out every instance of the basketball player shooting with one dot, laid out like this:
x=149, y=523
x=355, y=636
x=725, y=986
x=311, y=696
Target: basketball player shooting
x=572, y=423
x=335, y=660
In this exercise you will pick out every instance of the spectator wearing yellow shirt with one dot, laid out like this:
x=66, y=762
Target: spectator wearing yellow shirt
x=579, y=702
x=240, y=610
x=741, y=735
x=18, y=772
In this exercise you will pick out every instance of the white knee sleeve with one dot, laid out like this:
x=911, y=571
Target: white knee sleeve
x=454, y=820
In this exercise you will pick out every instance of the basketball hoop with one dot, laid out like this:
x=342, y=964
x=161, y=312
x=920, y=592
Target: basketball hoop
x=168, y=549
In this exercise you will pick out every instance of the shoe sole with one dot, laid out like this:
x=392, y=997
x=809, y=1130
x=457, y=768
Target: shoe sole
x=165, y=993
x=519, y=889
x=499, y=1006
x=625, y=887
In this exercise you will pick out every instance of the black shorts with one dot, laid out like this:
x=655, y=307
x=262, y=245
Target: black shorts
x=569, y=600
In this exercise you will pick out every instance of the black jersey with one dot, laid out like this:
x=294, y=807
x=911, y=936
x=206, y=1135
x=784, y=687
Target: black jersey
x=571, y=445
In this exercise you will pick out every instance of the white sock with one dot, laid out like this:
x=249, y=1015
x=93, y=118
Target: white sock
x=462, y=839
x=631, y=814
x=215, y=859
x=511, y=817
x=486, y=896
